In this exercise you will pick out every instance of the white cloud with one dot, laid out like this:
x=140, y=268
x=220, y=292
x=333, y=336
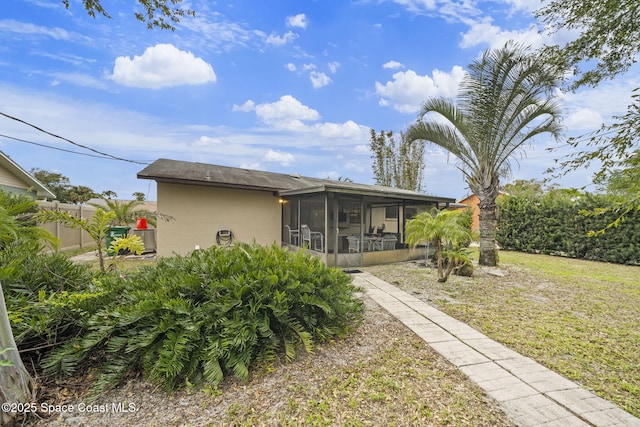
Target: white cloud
x=285, y=159
x=495, y=37
x=299, y=21
x=291, y=67
x=206, y=141
x=348, y=129
x=289, y=114
x=583, y=118
x=309, y=67
x=286, y=111
x=29, y=29
x=409, y=90
x=277, y=40
x=319, y=79
x=333, y=66
x=79, y=79
x=525, y=5
x=246, y=107
x=218, y=35
x=451, y=10
x=393, y=65
x=160, y=66
x=357, y=167
x=361, y=149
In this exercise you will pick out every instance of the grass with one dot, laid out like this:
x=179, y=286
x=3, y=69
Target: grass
x=405, y=384
x=579, y=318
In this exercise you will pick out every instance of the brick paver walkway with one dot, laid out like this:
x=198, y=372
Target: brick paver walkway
x=530, y=394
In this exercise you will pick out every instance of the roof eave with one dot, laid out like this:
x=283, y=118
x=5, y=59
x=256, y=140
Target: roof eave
x=205, y=183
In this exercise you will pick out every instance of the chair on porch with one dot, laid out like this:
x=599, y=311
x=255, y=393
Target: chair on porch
x=313, y=237
x=389, y=242
x=294, y=235
x=354, y=244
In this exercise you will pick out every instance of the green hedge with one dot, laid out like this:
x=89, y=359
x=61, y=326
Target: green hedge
x=555, y=223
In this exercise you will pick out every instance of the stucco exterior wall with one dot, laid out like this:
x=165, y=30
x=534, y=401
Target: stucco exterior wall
x=473, y=201
x=200, y=211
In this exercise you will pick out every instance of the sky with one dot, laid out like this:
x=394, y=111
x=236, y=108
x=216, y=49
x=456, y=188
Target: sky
x=281, y=86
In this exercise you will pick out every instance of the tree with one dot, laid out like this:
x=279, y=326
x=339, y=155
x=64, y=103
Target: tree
x=616, y=147
x=61, y=187
x=54, y=181
x=79, y=194
x=108, y=194
x=97, y=227
x=504, y=102
x=448, y=231
x=139, y=195
x=399, y=165
x=525, y=187
x=609, y=36
x=126, y=213
x=17, y=385
x=155, y=15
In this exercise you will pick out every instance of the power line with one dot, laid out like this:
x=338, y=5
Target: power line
x=58, y=148
x=70, y=141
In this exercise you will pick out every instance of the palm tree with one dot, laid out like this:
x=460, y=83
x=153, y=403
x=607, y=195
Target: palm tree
x=447, y=230
x=127, y=212
x=97, y=227
x=504, y=101
x=22, y=210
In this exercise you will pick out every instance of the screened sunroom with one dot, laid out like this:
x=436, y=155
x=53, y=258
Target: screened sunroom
x=351, y=225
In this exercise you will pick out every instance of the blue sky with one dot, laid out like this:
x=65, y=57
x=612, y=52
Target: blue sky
x=282, y=86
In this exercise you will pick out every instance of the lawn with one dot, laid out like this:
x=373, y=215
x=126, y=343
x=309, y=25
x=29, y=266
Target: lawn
x=579, y=318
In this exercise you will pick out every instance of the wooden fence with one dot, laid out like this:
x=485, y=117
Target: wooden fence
x=70, y=238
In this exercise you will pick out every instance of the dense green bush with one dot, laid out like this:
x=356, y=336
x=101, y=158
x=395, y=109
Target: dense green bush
x=194, y=319
x=555, y=223
x=45, y=295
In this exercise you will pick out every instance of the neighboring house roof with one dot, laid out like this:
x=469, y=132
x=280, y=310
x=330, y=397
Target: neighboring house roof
x=180, y=172
x=24, y=177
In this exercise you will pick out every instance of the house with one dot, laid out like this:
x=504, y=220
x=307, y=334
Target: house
x=343, y=223
x=472, y=201
x=14, y=179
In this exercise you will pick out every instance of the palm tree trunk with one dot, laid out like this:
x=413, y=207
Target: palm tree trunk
x=488, y=223
x=16, y=385
x=439, y=258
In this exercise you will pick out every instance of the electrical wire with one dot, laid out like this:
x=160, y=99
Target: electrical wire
x=60, y=149
x=70, y=141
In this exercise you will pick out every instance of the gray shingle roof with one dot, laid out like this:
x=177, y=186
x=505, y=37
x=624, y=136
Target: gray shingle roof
x=176, y=171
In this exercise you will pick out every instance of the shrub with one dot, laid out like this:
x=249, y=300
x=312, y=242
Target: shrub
x=555, y=223
x=194, y=319
x=45, y=295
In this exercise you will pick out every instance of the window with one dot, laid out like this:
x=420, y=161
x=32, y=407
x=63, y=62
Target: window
x=391, y=212
x=354, y=214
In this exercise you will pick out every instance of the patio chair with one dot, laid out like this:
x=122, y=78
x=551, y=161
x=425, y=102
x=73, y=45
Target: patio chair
x=313, y=237
x=354, y=244
x=389, y=242
x=294, y=235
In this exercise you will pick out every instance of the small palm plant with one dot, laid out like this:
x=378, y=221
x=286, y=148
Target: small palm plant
x=448, y=231
x=126, y=213
x=97, y=227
